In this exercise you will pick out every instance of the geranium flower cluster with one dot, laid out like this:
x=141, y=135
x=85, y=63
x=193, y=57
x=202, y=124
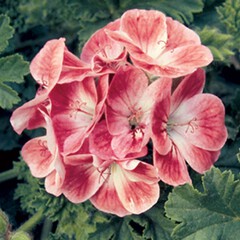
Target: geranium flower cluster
x=135, y=90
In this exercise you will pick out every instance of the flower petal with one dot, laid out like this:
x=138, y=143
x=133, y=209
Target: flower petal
x=191, y=85
x=37, y=156
x=146, y=29
x=106, y=199
x=73, y=68
x=200, y=120
x=186, y=58
x=28, y=115
x=138, y=189
x=160, y=115
x=81, y=180
x=47, y=65
x=180, y=35
x=100, y=141
x=199, y=159
x=101, y=51
x=73, y=107
x=172, y=168
x=125, y=90
x=53, y=183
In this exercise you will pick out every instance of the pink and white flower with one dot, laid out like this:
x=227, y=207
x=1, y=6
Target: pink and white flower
x=129, y=104
x=44, y=159
x=160, y=45
x=76, y=108
x=187, y=126
x=130, y=186
x=102, y=53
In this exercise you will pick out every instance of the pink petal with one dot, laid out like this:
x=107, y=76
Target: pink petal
x=47, y=65
x=146, y=29
x=38, y=157
x=186, y=58
x=160, y=115
x=137, y=192
x=100, y=141
x=126, y=143
x=200, y=120
x=175, y=62
x=99, y=41
x=127, y=87
x=172, y=168
x=73, y=107
x=106, y=199
x=179, y=35
x=73, y=68
x=199, y=159
x=82, y=180
x=28, y=115
x=191, y=85
x=53, y=183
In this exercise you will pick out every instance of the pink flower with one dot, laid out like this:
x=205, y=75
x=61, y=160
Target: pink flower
x=160, y=45
x=54, y=64
x=45, y=69
x=44, y=160
x=187, y=126
x=130, y=186
x=102, y=53
x=129, y=104
x=76, y=108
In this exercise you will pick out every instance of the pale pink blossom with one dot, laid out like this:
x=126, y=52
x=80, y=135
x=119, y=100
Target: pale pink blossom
x=160, y=45
x=45, y=69
x=129, y=104
x=187, y=126
x=130, y=186
x=76, y=108
x=54, y=64
x=44, y=159
x=102, y=53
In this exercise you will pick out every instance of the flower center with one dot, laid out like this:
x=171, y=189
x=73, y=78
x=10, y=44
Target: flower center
x=135, y=118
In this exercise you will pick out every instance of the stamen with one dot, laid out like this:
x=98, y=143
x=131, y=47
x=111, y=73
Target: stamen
x=191, y=125
x=103, y=172
x=162, y=42
x=44, y=148
x=135, y=117
x=77, y=106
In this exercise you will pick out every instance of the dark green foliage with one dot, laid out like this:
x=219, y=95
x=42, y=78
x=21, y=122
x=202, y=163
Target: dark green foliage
x=211, y=214
x=210, y=209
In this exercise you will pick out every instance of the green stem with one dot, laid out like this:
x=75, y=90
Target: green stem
x=46, y=229
x=7, y=175
x=32, y=222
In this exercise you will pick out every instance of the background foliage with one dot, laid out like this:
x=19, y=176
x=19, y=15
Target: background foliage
x=207, y=210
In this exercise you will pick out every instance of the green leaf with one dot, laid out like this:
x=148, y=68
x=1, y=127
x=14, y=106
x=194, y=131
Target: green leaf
x=220, y=44
x=211, y=214
x=149, y=225
x=6, y=31
x=12, y=69
x=229, y=14
x=4, y=225
x=115, y=229
x=181, y=10
x=79, y=220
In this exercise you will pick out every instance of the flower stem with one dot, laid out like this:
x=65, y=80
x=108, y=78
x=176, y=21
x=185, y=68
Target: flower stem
x=46, y=229
x=7, y=175
x=32, y=222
